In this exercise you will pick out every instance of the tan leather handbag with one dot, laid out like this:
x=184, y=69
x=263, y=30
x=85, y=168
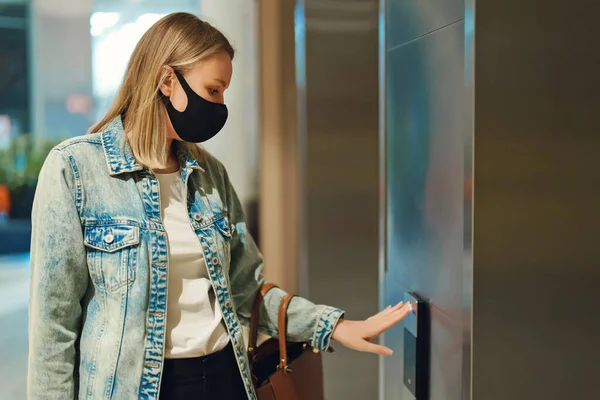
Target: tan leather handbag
x=283, y=370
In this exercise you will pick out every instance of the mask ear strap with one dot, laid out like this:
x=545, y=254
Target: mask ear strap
x=183, y=82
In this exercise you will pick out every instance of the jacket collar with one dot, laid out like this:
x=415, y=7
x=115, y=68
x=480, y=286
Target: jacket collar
x=118, y=153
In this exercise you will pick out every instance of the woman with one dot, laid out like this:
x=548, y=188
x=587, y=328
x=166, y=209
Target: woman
x=143, y=273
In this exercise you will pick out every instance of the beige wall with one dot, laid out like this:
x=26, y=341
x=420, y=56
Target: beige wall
x=279, y=182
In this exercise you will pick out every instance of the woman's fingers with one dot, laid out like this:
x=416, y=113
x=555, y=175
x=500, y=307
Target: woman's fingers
x=392, y=308
x=395, y=317
x=375, y=349
x=381, y=313
x=357, y=334
x=386, y=311
x=391, y=319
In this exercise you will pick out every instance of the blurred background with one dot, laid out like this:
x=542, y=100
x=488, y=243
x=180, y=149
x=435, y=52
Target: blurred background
x=446, y=148
x=61, y=62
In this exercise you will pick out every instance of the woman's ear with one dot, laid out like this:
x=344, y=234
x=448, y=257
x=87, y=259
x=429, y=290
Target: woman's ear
x=167, y=81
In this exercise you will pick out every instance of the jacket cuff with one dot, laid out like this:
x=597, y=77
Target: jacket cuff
x=326, y=323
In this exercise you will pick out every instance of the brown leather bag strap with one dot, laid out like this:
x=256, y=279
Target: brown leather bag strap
x=255, y=316
x=283, y=308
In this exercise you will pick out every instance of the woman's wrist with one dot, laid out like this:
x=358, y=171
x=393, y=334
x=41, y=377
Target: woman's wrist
x=339, y=328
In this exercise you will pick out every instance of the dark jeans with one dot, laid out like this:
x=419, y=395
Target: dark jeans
x=213, y=377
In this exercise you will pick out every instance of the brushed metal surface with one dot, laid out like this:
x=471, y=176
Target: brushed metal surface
x=382, y=179
x=446, y=357
x=409, y=20
x=537, y=270
x=341, y=171
x=426, y=163
x=467, y=286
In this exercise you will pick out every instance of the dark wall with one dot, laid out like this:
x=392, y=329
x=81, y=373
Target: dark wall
x=536, y=222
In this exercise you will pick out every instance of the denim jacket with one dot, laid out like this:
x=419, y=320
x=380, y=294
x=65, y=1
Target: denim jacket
x=99, y=272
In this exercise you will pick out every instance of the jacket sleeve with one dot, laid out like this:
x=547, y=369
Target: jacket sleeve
x=59, y=280
x=306, y=321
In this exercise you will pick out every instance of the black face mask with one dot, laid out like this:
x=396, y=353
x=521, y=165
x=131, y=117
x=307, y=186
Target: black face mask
x=201, y=120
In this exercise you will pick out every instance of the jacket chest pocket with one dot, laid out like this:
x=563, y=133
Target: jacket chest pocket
x=112, y=255
x=224, y=234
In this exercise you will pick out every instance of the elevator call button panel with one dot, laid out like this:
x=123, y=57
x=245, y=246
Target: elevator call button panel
x=417, y=347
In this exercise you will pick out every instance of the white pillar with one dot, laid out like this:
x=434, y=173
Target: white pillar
x=60, y=66
x=236, y=145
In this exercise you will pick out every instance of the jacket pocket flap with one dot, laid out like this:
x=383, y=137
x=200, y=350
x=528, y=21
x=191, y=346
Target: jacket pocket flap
x=111, y=238
x=223, y=225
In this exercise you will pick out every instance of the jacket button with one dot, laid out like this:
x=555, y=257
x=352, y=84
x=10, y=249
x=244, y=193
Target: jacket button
x=108, y=239
x=215, y=261
x=227, y=304
x=197, y=217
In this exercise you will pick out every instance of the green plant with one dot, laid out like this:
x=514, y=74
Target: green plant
x=21, y=163
x=4, y=175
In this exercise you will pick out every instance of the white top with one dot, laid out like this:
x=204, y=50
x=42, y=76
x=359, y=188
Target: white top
x=194, y=321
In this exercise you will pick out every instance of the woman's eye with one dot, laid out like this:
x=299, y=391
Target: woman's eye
x=213, y=91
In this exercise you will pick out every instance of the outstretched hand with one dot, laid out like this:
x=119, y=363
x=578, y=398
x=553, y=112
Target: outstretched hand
x=358, y=335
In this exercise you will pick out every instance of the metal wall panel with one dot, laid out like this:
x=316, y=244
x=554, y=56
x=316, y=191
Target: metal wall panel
x=527, y=93
x=426, y=166
x=537, y=135
x=340, y=170
x=409, y=20
x=428, y=157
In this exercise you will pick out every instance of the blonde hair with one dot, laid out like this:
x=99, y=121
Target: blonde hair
x=179, y=40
